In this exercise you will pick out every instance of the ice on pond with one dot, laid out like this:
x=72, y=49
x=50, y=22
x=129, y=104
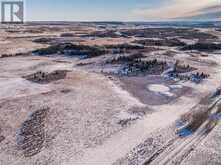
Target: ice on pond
x=161, y=89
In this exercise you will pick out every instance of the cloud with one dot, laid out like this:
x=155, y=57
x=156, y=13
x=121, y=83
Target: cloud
x=211, y=8
x=175, y=9
x=204, y=16
x=207, y=13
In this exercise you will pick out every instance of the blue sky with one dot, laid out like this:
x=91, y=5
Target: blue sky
x=84, y=9
x=121, y=10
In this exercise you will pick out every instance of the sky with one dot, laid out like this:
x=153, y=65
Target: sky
x=122, y=10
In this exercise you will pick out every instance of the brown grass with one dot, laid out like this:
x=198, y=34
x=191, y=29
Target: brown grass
x=197, y=118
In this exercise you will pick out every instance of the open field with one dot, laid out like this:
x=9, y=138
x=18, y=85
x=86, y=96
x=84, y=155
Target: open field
x=122, y=94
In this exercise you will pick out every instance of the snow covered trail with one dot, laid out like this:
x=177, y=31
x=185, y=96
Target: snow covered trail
x=179, y=148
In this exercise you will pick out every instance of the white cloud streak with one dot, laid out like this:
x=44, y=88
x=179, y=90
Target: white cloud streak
x=175, y=9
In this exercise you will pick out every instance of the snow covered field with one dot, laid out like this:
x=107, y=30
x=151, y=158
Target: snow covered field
x=96, y=117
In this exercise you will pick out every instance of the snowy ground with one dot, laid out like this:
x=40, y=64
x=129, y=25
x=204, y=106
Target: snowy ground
x=96, y=118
